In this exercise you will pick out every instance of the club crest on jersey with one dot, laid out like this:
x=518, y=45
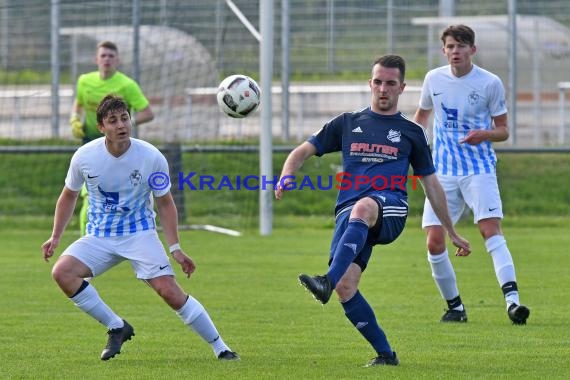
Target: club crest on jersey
x=135, y=177
x=394, y=136
x=473, y=98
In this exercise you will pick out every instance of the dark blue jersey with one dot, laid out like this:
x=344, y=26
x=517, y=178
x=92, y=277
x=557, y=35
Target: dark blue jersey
x=377, y=151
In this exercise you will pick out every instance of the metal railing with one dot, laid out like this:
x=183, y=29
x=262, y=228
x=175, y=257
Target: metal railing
x=562, y=88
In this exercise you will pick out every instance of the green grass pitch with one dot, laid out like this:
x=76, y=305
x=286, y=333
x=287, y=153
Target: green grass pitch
x=249, y=286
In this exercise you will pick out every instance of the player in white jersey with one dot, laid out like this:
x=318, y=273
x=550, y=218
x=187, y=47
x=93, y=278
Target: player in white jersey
x=123, y=176
x=469, y=115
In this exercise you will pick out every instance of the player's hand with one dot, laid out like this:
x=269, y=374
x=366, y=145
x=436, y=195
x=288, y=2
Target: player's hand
x=48, y=248
x=188, y=266
x=474, y=137
x=282, y=186
x=463, y=246
x=76, y=127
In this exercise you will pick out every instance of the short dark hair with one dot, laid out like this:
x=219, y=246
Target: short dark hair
x=108, y=45
x=394, y=62
x=110, y=103
x=460, y=33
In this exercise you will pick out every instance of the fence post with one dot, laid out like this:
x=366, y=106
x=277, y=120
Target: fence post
x=173, y=153
x=562, y=87
x=55, y=66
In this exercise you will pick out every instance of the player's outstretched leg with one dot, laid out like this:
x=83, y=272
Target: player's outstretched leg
x=116, y=339
x=197, y=318
x=349, y=245
x=88, y=300
x=319, y=286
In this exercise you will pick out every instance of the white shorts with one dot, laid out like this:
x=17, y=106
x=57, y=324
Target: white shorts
x=479, y=192
x=144, y=250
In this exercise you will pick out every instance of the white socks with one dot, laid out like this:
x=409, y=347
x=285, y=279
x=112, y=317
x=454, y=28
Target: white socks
x=444, y=276
x=91, y=303
x=504, y=266
x=194, y=315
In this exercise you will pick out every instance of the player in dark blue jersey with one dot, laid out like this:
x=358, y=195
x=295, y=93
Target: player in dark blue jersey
x=378, y=145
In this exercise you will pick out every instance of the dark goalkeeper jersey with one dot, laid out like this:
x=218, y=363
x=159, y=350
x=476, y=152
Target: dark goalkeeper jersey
x=377, y=151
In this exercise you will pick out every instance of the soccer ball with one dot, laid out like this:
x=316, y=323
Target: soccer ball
x=238, y=96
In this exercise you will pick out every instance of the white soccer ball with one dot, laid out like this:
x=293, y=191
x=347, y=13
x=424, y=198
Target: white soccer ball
x=238, y=96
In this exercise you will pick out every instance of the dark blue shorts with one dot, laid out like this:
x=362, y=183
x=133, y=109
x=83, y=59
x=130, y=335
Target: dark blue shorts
x=388, y=227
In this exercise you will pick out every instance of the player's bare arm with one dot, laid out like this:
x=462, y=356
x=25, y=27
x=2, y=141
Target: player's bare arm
x=169, y=221
x=144, y=116
x=76, y=108
x=293, y=163
x=500, y=132
x=436, y=195
x=422, y=117
x=63, y=212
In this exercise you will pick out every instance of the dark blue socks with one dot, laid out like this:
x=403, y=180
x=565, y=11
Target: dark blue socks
x=349, y=245
x=359, y=312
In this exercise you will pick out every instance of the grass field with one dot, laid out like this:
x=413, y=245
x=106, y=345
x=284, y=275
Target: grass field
x=249, y=286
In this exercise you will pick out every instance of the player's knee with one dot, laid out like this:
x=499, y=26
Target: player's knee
x=57, y=274
x=489, y=227
x=365, y=209
x=435, y=247
x=345, y=289
x=435, y=240
x=62, y=274
x=169, y=291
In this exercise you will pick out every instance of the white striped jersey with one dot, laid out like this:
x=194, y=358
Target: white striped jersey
x=120, y=197
x=461, y=105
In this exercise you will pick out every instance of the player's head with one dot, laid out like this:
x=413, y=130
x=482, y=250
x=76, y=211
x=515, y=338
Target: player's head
x=392, y=61
x=387, y=83
x=460, y=33
x=108, y=45
x=112, y=114
x=107, y=58
x=459, y=47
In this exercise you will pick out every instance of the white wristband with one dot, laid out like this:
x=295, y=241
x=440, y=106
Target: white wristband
x=174, y=247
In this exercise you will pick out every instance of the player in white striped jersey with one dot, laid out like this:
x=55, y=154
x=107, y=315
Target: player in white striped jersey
x=121, y=176
x=469, y=115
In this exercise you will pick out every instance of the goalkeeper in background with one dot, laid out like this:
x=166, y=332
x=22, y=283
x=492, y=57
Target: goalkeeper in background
x=94, y=86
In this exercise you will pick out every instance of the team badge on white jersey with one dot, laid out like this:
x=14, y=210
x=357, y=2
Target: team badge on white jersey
x=473, y=98
x=135, y=177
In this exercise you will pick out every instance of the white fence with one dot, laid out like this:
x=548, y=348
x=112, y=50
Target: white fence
x=562, y=88
x=27, y=114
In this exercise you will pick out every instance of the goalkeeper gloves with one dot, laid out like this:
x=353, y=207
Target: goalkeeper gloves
x=76, y=126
